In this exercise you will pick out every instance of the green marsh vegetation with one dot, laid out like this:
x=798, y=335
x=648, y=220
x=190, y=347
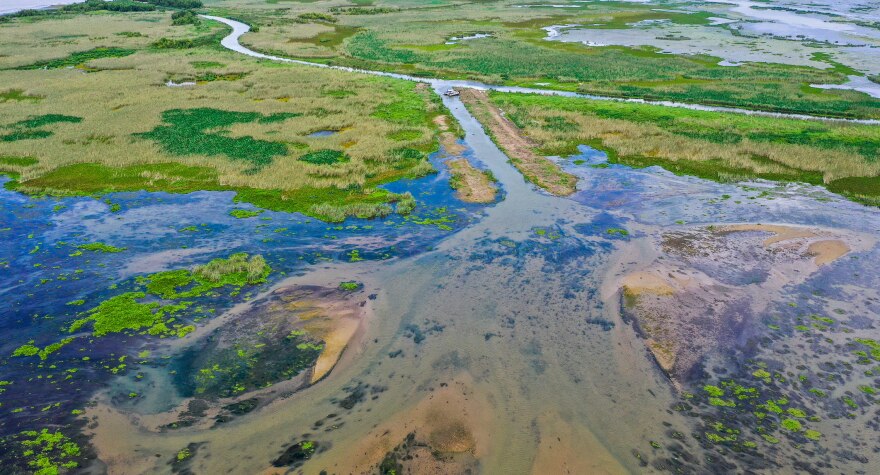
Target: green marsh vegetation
x=713, y=145
x=186, y=134
x=158, y=302
x=245, y=213
x=245, y=126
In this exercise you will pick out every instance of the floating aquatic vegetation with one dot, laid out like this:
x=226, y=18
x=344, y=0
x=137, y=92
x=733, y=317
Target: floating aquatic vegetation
x=79, y=58
x=187, y=134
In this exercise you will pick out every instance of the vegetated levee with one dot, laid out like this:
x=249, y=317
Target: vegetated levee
x=111, y=124
x=777, y=372
x=462, y=331
x=517, y=53
x=714, y=145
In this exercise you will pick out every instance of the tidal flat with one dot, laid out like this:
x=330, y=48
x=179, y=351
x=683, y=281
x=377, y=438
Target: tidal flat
x=283, y=267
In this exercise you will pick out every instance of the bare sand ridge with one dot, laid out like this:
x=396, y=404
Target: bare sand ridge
x=472, y=185
x=447, y=139
x=328, y=315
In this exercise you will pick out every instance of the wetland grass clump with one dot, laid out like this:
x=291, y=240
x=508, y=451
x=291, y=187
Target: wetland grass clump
x=406, y=204
x=80, y=58
x=184, y=17
x=166, y=43
x=187, y=133
x=338, y=213
x=18, y=95
x=245, y=213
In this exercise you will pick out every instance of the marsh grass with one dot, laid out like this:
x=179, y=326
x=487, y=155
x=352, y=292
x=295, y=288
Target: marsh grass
x=247, y=135
x=718, y=146
x=187, y=134
x=45, y=119
x=27, y=129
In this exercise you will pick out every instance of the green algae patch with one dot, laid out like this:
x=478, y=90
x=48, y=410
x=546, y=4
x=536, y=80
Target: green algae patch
x=713, y=391
x=26, y=350
x=350, y=286
x=186, y=133
x=183, y=454
x=298, y=453
x=237, y=271
x=101, y=247
x=139, y=311
x=763, y=375
x=868, y=390
x=48, y=350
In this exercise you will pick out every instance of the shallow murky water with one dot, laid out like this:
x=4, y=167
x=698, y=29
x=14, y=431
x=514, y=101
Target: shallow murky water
x=514, y=322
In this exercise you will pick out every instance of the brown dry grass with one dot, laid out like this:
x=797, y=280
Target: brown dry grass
x=537, y=169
